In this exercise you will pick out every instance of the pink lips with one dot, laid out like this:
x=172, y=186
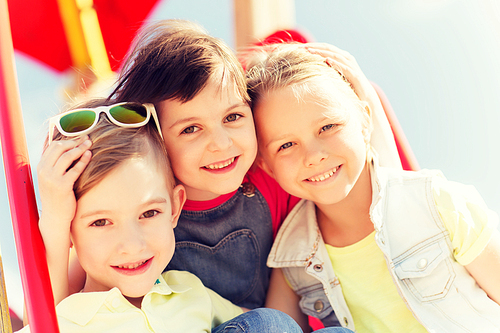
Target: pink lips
x=222, y=167
x=136, y=269
x=324, y=177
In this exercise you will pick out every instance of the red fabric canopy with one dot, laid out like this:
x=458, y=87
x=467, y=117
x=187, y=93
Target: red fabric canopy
x=37, y=29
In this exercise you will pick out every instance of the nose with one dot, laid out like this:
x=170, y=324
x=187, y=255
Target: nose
x=131, y=238
x=314, y=154
x=220, y=139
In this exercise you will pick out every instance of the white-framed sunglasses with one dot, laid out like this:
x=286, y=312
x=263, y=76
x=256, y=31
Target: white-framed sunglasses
x=81, y=121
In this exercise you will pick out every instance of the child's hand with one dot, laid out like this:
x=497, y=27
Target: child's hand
x=382, y=138
x=345, y=63
x=56, y=178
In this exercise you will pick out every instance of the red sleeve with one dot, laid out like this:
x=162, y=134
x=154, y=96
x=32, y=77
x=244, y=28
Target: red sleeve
x=280, y=202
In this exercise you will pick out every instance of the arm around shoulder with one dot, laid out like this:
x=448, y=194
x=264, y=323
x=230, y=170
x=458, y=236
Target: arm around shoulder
x=485, y=269
x=281, y=297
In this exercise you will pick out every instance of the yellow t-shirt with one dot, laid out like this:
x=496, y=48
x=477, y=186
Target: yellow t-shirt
x=374, y=302
x=178, y=302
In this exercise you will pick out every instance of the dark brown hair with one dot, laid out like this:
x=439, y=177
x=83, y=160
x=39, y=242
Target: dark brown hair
x=174, y=59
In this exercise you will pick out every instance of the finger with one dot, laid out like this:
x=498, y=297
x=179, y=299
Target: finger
x=56, y=148
x=75, y=171
x=330, y=50
x=70, y=156
x=325, y=47
x=346, y=70
x=355, y=78
x=52, y=154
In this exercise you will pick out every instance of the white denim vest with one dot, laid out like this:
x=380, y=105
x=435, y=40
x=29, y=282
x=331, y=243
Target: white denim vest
x=439, y=292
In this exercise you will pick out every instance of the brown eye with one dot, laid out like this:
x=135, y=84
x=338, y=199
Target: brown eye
x=150, y=213
x=190, y=129
x=99, y=223
x=232, y=117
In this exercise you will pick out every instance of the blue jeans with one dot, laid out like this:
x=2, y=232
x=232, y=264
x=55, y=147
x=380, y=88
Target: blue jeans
x=336, y=329
x=261, y=320
x=265, y=320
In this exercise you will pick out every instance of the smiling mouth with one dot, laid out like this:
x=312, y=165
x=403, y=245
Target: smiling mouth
x=222, y=165
x=324, y=176
x=133, y=266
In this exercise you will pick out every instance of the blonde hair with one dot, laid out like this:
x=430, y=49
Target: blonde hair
x=112, y=145
x=277, y=66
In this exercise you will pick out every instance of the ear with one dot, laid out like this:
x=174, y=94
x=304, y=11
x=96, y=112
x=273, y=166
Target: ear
x=178, y=200
x=264, y=166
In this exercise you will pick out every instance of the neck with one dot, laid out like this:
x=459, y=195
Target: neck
x=135, y=301
x=90, y=287
x=348, y=221
x=200, y=195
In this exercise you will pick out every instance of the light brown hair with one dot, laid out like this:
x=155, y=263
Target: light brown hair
x=112, y=145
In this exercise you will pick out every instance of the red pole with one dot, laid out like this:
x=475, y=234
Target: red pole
x=30, y=249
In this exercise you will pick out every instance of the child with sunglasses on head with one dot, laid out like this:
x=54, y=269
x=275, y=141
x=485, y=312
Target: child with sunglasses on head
x=111, y=194
x=233, y=210
x=378, y=249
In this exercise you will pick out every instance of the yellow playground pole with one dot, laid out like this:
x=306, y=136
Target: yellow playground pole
x=84, y=37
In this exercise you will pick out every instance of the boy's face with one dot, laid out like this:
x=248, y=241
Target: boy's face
x=314, y=150
x=210, y=140
x=123, y=228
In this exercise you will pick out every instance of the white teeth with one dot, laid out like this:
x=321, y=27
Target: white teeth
x=220, y=165
x=134, y=266
x=324, y=176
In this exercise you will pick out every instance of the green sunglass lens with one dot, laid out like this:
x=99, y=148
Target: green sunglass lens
x=129, y=113
x=78, y=121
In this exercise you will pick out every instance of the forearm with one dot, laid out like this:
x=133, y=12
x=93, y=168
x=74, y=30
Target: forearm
x=281, y=297
x=57, y=246
x=485, y=269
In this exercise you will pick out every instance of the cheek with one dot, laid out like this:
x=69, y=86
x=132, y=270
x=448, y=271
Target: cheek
x=285, y=170
x=180, y=156
x=245, y=136
x=92, y=253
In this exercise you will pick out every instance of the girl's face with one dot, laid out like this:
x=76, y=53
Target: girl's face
x=313, y=149
x=123, y=228
x=210, y=140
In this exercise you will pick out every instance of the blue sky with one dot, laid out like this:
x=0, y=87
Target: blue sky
x=437, y=61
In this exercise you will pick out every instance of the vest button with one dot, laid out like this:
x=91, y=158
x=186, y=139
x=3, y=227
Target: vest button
x=318, y=306
x=422, y=263
x=318, y=267
x=346, y=322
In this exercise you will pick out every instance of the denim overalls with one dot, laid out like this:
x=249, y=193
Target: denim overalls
x=227, y=247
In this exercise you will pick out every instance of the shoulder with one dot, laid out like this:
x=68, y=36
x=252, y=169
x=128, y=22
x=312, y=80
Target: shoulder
x=394, y=174
x=181, y=277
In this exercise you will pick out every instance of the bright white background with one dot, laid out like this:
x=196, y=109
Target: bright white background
x=436, y=60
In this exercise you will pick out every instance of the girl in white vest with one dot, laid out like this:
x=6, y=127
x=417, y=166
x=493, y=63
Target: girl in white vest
x=371, y=248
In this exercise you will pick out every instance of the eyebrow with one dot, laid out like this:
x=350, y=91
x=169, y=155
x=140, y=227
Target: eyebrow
x=189, y=119
x=159, y=200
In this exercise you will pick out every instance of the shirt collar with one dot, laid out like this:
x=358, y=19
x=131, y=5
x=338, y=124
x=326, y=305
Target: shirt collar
x=80, y=308
x=298, y=238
